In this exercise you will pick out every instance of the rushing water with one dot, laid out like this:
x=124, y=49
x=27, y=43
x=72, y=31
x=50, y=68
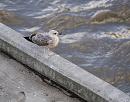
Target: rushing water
x=87, y=45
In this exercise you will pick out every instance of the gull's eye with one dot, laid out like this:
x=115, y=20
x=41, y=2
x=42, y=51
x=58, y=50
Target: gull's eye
x=55, y=33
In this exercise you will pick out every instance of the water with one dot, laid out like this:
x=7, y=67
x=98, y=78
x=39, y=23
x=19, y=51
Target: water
x=88, y=45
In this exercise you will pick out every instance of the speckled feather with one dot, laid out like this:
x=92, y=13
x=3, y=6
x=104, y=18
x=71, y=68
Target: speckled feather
x=49, y=39
x=42, y=39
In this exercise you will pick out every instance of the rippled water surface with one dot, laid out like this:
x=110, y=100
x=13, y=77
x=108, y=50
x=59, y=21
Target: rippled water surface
x=88, y=45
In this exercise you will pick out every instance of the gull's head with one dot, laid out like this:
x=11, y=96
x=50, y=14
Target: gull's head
x=54, y=32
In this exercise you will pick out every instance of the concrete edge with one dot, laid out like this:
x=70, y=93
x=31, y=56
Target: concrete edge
x=58, y=69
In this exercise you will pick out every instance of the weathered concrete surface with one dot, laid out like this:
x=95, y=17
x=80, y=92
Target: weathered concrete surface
x=14, y=77
x=79, y=81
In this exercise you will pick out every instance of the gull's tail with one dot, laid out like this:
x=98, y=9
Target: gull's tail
x=29, y=38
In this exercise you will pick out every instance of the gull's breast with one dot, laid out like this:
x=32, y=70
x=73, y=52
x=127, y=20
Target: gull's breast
x=54, y=42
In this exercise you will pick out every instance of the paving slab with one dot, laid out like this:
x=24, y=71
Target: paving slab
x=15, y=77
x=56, y=68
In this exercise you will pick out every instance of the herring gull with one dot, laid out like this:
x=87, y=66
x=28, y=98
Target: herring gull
x=49, y=39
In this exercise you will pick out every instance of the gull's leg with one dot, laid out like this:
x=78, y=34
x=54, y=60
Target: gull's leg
x=49, y=52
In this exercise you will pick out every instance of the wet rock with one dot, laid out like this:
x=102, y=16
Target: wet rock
x=63, y=22
x=118, y=62
x=80, y=46
x=125, y=14
x=123, y=51
x=119, y=15
x=7, y=17
x=121, y=34
x=105, y=17
x=118, y=35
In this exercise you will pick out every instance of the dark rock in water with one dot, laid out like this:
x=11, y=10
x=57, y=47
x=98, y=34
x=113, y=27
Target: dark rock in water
x=122, y=54
x=63, y=22
x=121, y=15
x=7, y=17
x=106, y=16
x=122, y=35
x=125, y=14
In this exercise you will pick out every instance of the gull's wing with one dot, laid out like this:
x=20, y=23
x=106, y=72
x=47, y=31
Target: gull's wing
x=42, y=40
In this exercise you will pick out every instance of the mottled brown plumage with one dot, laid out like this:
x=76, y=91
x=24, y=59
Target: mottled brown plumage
x=49, y=39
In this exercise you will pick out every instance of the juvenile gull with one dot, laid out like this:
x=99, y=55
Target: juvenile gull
x=49, y=39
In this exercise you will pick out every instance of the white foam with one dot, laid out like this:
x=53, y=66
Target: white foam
x=38, y=2
x=30, y=1
x=91, y=5
x=55, y=2
x=30, y=29
x=100, y=11
x=11, y=2
x=71, y=38
x=44, y=13
x=2, y=5
x=77, y=8
x=42, y=16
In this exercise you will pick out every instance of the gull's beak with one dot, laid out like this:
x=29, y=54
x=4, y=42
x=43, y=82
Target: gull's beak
x=60, y=33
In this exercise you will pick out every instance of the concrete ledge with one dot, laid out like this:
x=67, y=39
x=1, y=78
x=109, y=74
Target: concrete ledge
x=58, y=69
